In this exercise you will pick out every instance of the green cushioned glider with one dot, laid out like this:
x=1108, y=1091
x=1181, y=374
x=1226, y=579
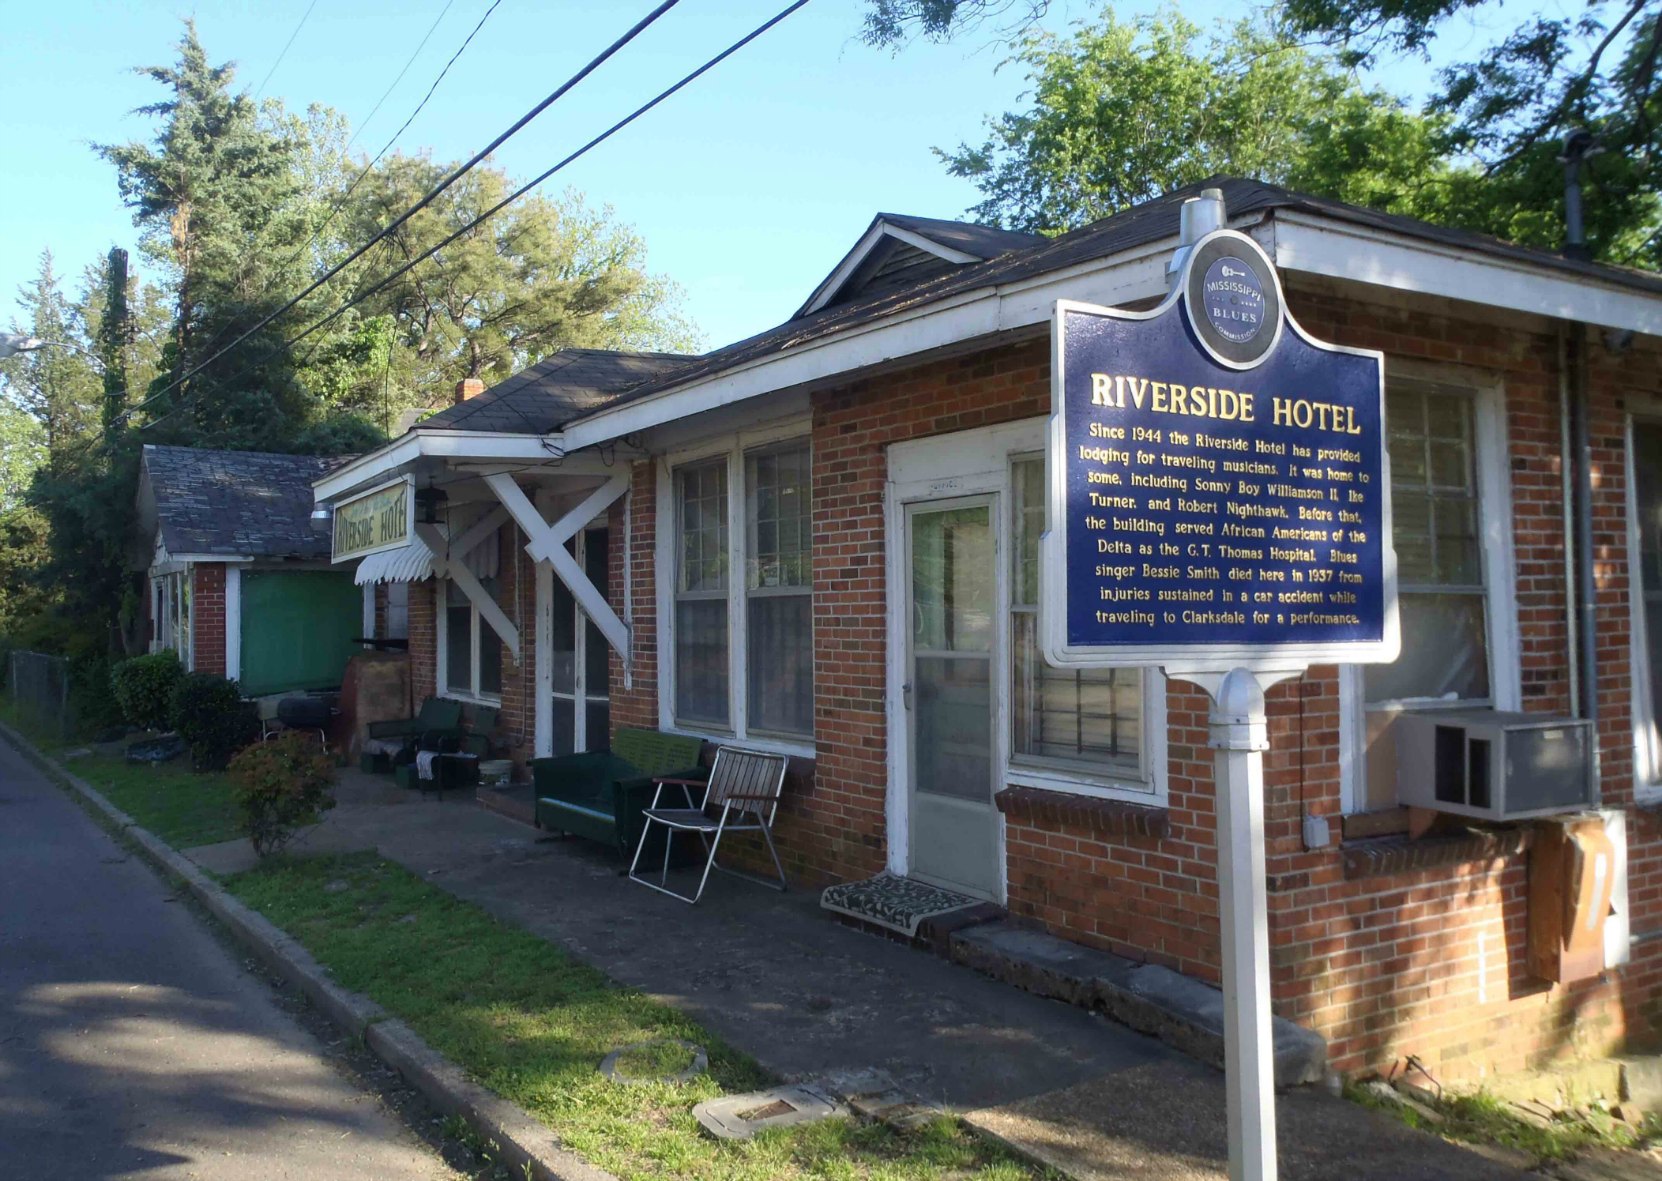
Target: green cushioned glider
x=599, y=796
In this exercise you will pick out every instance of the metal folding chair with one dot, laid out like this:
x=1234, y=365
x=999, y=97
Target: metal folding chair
x=741, y=795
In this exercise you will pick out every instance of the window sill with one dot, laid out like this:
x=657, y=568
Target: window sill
x=1384, y=856
x=471, y=699
x=1128, y=789
x=1094, y=813
x=797, y=750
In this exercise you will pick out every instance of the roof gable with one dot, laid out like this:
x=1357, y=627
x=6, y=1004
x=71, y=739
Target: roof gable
x=255, y=504
x=898, y=251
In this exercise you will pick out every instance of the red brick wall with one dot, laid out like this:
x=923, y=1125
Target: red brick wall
x=207, y=617
x=423, y=640
x=516, y=588
x=634, y=549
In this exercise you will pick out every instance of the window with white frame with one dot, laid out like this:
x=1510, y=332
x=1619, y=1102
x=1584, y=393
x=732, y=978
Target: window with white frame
x=397, y=621
x=171, y=602
x=772, y=604
x=1061, y=720
x=472, y=649
x=1437, y=507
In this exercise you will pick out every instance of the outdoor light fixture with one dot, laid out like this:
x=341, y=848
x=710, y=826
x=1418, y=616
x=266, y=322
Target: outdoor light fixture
x=428, y=502
x=321, y=516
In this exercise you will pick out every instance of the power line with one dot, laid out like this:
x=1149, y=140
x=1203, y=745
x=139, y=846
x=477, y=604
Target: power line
x=285, y=50
x=408, y=62
x=537, y=180
x=518, y=125
x=528, y=186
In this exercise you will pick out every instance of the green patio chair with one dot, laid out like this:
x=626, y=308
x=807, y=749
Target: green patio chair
x=436, y=721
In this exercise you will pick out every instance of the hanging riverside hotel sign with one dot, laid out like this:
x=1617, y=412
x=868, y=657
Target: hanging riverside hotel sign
x=1219, y=494
x=381, y=519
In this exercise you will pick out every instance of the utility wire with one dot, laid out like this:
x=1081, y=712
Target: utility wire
x=528, y=186
x=537, y=180
x=518, y=125
x=285, y=50
x=408, y=62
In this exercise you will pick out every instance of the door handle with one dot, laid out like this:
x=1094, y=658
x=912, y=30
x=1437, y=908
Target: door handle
x=906, y=696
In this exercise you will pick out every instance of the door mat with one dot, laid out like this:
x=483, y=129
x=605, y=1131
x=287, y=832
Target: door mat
x=899, y=904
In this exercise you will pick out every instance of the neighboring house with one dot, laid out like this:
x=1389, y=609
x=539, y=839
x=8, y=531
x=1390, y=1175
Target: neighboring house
x=808, y=540
x=240, y=581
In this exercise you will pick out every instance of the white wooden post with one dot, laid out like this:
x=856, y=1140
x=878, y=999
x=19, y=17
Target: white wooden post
x=1240, y=735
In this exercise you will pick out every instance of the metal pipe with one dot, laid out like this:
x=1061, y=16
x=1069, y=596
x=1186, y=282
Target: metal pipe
x=1582, y=453
x=1566, y=479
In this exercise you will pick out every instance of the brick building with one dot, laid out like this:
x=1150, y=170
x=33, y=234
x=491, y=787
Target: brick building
x=237, y=580
x=809, y=540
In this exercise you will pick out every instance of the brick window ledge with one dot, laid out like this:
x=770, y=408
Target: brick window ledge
x=1037, y=805
x=1381, y=856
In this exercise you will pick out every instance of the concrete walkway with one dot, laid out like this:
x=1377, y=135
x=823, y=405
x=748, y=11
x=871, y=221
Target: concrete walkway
x=775, y=977
x=133, y=1043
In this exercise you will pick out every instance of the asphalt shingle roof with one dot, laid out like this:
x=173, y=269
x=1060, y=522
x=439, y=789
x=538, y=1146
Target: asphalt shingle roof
x=982, y=241
x=237, y=503
x=543, y=398
x=1126, y=230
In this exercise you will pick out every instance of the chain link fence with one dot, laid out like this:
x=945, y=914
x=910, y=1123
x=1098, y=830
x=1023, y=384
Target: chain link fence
x=38, y=687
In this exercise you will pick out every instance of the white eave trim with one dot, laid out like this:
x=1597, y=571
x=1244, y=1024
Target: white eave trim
x=1026, y=303
x=1363, y=254
x=880, y=229
x=418, y=443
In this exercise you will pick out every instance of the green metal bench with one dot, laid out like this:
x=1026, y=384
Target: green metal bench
x=600, y=796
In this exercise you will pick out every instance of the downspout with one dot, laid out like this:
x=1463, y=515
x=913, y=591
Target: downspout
x=1582, y=457
x=1572, y=558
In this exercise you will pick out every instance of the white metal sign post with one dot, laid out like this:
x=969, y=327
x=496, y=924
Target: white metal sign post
x=1219, y=508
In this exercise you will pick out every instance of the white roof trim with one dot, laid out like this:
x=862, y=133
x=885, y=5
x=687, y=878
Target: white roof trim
x=869, y=241
x=1342, y=250
x=417, y=443
x=1297, y=242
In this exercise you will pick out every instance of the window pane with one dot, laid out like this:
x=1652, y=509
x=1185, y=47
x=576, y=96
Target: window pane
x=1647, y=495
x=596, y=651
x=398, y=611
x=458, y=648
x=702, y=497
x=1444, y=651
x=780, y=649
x=1085, y=718
x=490, y=647
x=564, y=609
x=1028, y=479
x=701, y=661
x=1435, y=510
x=778, y=519
x=952, y=580
x=599, y=722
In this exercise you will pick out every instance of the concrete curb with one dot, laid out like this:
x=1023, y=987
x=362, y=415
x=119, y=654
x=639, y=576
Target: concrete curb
x=514, y=1136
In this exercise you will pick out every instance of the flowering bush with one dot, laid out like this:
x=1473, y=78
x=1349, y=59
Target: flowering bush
x=281, y=786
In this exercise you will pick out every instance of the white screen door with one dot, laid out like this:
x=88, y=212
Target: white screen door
x=952, y=580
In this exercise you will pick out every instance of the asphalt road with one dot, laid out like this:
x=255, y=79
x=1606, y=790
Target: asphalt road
x=133, y=1043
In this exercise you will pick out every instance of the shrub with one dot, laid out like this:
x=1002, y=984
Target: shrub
x=281, y=786
x=210, y=715
x=143, y=688
x=92, y=701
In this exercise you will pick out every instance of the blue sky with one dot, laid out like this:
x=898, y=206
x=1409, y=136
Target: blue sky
x=747, y=187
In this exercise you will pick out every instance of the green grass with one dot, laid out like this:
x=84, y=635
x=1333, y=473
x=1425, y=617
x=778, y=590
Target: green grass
x=42, y=732
x=1478, y=1117
x=532, y=1023
x=182, y=807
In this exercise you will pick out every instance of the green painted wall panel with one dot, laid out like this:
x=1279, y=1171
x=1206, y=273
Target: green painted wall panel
x=297, y=629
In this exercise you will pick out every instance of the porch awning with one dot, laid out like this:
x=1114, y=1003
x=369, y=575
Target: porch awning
x=407, y=563
x=414, y=562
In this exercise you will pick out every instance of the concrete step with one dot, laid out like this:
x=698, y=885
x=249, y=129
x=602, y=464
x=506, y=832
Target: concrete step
x=1177, y=1009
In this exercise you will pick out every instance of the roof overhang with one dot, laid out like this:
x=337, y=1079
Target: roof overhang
x=471, y=451
x=1298, y=242
x=1363, y=254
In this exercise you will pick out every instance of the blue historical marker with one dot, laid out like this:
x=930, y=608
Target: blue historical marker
x=1218, y=480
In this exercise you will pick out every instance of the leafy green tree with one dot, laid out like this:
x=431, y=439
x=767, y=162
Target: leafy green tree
x=222, y=200
x=1592, y=66
x=22, y=450
x=891, y=23
x=1122, y=111
x=544, y=274
x=57, y=386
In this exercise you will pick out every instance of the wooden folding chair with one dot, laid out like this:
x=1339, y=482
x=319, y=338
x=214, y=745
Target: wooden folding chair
x=742, y=795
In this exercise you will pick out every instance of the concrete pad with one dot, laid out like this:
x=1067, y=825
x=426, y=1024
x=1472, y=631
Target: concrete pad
x=739, y=1117
x=1163, y=1124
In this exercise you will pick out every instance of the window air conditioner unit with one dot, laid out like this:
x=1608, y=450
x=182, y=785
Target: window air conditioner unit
x=1493, y=765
